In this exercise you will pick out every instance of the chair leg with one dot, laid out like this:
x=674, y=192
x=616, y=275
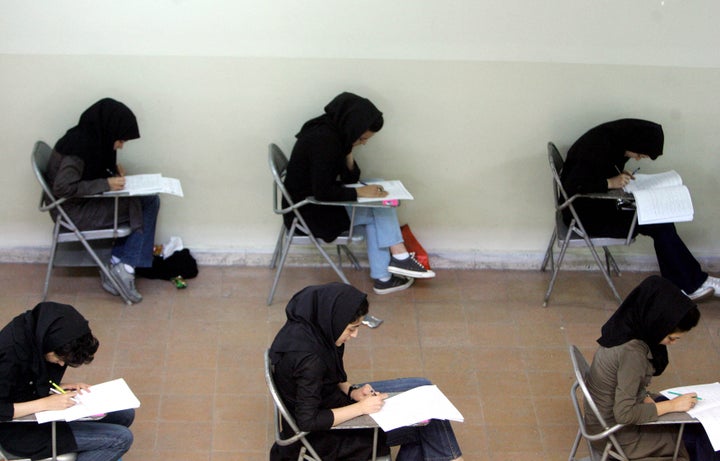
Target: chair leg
x=610, y=262
x=351, y=256
x=283, y=256
x=556, y=270
x=549, y=253
x=278, y=246
x=606, y=274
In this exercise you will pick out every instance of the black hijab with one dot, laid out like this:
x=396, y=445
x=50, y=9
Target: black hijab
x=350, y=116
x=316, y=317
x=649, y=313
x=45, y=328
x=93, y=138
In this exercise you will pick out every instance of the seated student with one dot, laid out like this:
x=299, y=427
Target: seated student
x=307, y=354
x=84, y=162
x=322, y=154
x=632, y=349
x=595, y=163
x=36, y=348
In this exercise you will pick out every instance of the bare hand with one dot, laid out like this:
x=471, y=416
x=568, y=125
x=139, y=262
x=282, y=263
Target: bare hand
x=685, y=402
x=116, y=183
x=372, y=190
x=372, y=403
x=620, y=181
x=60, y=401
x=79, y=387
x=120, y=169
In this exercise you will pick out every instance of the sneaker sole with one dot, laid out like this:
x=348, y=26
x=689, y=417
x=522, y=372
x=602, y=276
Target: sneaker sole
x=384, y=291
x=704, y=296
x=412, y=274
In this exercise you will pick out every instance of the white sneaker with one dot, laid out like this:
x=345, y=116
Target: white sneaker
x=701, y=294
x=127, y=280
x=714, y=283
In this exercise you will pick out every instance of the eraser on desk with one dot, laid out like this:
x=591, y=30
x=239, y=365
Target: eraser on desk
x=393, y=202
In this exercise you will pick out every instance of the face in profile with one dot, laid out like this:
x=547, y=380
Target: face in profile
x=350, y=331
x=363, y=139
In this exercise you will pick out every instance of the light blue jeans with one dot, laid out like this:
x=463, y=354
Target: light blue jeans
x=136, y=249
x=433, y=442
x=106, y=439
x=381, y=230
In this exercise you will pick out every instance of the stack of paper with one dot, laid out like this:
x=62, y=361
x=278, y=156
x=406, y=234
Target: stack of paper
x=661, y=198
x=102, y=398
x=414, y=406
x=707, y=410
x=395, y=189
x=149, y=184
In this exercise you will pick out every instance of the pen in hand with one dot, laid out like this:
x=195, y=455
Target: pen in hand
x=677, y=393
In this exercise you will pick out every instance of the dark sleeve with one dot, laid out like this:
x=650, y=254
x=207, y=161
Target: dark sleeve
x=68, y=180
x=8, y=370
x=326, y=164
x=309, y=412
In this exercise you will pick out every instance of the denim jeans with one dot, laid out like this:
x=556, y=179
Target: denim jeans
x=136, y=249
x=106, y=439
x=381, y=229
x=433, y=442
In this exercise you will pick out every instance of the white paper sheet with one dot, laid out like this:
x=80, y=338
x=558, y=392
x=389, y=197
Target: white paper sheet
x=148, y=184
x=395, y=189
x=707, y=409
x=103, y=398
x=414, y=406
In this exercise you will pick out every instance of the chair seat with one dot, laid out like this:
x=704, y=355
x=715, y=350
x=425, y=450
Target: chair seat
x=122, y=231
x=63, y=457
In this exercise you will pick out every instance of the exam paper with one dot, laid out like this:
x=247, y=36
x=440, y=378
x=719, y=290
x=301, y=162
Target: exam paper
x=414, y=406
x=707, y=409
x=103, y=398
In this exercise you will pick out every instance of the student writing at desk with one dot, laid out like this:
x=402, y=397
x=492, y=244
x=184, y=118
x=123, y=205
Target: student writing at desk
x=595, y=163
x=36, y=348
x=632, y=349
x=321, y=162
x=307, y=354
x=84, y=162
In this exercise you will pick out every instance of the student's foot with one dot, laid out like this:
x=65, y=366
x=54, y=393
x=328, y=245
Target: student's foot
x=107, y=284
x=391, y=286
x=714, y=283
x=127, y=280
x=409, y=267
x=701, y=294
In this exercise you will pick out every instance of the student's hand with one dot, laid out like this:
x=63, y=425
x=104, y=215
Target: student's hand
x=120, y=169
x=619, y=181
x=60, y=401
x=685, y=402
x=79, y=387
x=116, y=182
x=372, y=190
x=372, y=403
x=364, y=392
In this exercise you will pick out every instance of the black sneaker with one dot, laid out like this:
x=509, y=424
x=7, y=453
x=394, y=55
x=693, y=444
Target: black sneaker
x=392, y=285
x=409, y=267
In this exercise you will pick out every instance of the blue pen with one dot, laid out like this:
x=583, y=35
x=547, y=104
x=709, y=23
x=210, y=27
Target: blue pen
x=635, y=171
x=677, y=393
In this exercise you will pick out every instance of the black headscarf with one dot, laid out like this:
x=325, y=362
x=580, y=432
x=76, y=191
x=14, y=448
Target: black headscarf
x=348, y=114
x=93, y=138
x=649, y=313
x=316, y=317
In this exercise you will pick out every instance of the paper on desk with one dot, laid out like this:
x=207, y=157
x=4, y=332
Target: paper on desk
x=395, y=189
x=707, y=409
x=145, y=184
x=416, y=405
x=103, y=398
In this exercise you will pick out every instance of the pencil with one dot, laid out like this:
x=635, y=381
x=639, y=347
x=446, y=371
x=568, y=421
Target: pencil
x=677, y=393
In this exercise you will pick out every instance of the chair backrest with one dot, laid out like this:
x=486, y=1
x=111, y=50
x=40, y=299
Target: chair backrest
x=556, y=166
x=278, y=163
x=581, y=370
x=281, y=415
x=39, y=159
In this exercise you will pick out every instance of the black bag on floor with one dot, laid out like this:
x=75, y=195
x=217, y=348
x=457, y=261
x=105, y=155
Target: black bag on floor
x=180, y=263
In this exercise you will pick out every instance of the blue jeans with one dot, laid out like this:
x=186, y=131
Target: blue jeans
x=106, y=439
x=381, y=229
x=136, y=249
x=433, y=442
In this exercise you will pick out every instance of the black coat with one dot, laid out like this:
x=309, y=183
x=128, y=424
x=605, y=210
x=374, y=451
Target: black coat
x=25, y=375
x=598, y=155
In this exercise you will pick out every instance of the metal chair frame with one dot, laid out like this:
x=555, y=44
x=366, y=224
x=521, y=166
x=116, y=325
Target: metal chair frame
x=574, y=234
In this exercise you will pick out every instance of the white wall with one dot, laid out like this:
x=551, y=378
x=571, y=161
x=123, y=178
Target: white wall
x=471, y=92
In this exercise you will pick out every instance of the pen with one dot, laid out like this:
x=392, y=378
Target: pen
x=677, y=393
x=62, y=391
x=110, y=172
x=635, y=171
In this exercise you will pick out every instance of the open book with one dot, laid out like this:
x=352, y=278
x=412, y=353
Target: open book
x=707, y=410
x=103, y=398
x=395, y=189
x=149, y=184
x=414, y=406
x=661, y=198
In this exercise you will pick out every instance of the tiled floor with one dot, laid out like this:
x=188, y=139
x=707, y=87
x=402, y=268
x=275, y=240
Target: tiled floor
x=194, y=356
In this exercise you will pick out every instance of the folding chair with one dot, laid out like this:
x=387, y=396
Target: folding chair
x=573, y=235
x=282, y=416
x=299, y=233
x=70, y=246
x=612, y=447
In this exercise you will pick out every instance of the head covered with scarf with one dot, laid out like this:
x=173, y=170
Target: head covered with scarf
x=350, y=116
x=316, y=317
x=93, y=138
x=639, y=136
x=650, y=312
